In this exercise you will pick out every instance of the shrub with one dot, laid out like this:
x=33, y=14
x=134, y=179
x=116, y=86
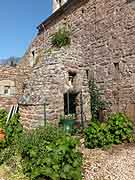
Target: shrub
x=49, y=153
x=97, y=135
x=121, y=127
x=116, y=130
x=61, y=38
x=3, y=118
x=13, y=132
x=13, y=129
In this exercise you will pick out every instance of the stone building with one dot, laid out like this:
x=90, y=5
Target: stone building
x=58, y=75
x=7, y=86
x=102, y=47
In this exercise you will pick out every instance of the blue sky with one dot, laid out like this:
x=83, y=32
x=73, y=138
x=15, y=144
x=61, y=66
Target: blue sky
x=18, y=22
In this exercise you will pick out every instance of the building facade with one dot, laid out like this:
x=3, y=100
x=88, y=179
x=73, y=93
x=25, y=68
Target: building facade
x=102, y=47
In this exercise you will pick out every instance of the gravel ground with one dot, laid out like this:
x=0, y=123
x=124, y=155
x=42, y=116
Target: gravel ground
x=117, y=163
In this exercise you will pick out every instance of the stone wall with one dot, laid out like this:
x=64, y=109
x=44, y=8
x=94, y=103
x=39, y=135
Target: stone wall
x=103, y=36
x=114, y=53
x=49, y=79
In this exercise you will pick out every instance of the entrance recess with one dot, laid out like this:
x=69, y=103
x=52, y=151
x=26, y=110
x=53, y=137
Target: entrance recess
x=70, y=103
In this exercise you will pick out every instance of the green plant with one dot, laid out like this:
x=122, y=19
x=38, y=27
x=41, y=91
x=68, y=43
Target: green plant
x=3, y=118
x=13, y=129
x=97, y=103
x=121, y=127
x=13, y=132
x=116, y=130
x=12, y=170
x=61, y=38
x=98, y=135
x=49, y=153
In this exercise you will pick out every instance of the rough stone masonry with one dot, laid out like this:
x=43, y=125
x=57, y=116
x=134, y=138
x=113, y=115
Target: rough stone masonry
x=102, y=46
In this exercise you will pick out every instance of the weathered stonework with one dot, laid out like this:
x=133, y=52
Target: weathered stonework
x=102, y=46
x=50, y=75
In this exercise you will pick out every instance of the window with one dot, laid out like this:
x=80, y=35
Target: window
x=60, y=2
x=117, y=71
x=72, y=77
x=33, y=54
x=7, y=90
x=87, y=74
x=130, y=1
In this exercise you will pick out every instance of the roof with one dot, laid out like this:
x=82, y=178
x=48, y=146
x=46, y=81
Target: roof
x=58, y=13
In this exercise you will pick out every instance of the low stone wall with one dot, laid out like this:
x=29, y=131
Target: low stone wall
x=32, y=116
x=6, y=103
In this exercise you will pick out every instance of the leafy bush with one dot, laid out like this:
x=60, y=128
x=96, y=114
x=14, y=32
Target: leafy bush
x=50, y=154
x=98, y=135
x=13, y=132
x=3, y=118
x=116, y=130
x=121, y=128
x=61, y=38
x=13, y=129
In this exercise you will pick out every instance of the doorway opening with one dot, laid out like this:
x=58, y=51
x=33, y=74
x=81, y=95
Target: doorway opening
x=70, y=103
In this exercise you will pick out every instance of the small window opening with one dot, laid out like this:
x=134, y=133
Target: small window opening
x=72, y=77
x=117, y=71
x=13, y=63
x=33, y=54
x=60, y=2
x=130, y=1
x=87, y=73
x=6, y=90
x=83, y=10
x=24, y=87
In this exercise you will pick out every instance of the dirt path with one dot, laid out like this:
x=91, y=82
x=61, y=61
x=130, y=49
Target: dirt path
x=117, y=163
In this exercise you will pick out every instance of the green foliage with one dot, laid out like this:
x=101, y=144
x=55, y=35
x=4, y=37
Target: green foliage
x=13, y=129
x=97, y=103
x=116, y=130
x=61, y=38
x=3, y=118
x=12, y=170
x=13, y=132
x=6, y=153
x=98, y=135
x=120, y=127
x=45, y=153
x=49, y=153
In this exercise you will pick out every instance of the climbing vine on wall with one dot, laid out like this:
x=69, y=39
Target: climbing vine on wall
x=97, y=103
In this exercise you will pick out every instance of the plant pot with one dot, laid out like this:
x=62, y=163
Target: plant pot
x=2, y=135
x=68, y=125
